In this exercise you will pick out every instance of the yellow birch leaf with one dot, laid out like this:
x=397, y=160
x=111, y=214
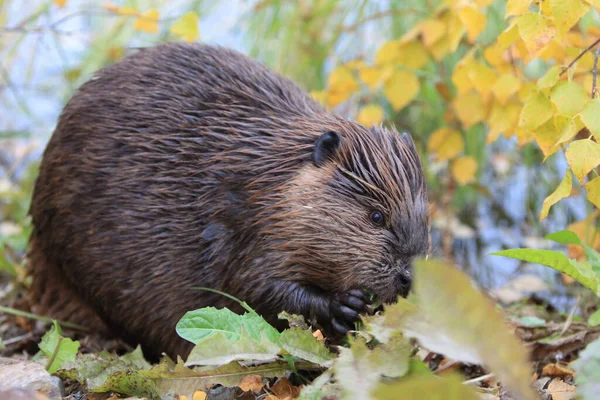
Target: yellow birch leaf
x=583, y=156
x=432, y=30
x=546, y=137
x=148, y=21
x=567, y=13
x=505, y=86
x=440, y=48
x=555, y=50
x=455, y=29
x=59, y=3
x=494, y=55
x=595, y=3
x=563, y=190
x=590, y=116
x=470, y=108
x=320, y=96
x=509, y=36
x=410, y=54
x=593, y=191
x=340, y=85
x=127, y=11
x=401, y=88
x=536, y=31
x=463, y=170
x=527, y=90
x=566, y=128
x=356, y=64
x=186, y=27
x=482, y=77
x=373, y=76
x=516, y=7
x=536, y=110
x=569, y=98
x=388, y=53
x=371, y=114
x=550, y=78
x=447, y=143
x=473, y=19
x=199, y=395
x=503, y=119
x=411, y=35
x=460, y=78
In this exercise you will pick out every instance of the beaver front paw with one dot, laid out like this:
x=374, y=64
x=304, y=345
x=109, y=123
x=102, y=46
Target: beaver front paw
x=345, y=310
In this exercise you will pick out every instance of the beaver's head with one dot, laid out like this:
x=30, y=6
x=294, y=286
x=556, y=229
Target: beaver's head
x=357, y=215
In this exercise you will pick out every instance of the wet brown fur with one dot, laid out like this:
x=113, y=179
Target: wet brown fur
x=189, y=165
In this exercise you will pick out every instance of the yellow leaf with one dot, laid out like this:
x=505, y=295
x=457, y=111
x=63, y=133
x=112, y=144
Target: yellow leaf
x=432, y=30
x=593, y=191
x=59, y=3
x=473, y=20
x=517, y=7
x=463, y=170
x=410, y=54
x=583, y=156
x=470, y=108
x=528, y=89
x=536, y=31
x=440, y=48
x=509, y=36
x=595, y=3
x=494, y=55
x=401, y=88
x=536, y=110
x=340, y=85
x=460, y=78
x=547, y=137
x=447, y=143
x=127, y=11
x=148, y=21
x=505, y=86
x=455, y=29
x=482, y=77
x=199, y=395
x=568, y=97
x=590, y=116
x=320, y=96
x=555, y=50
x=550, y=78
x=373, y=76
x=563, y=190
x=186, y=27
x=503, y=119
x=567, y=13
x=566, y=128
x=371, y=114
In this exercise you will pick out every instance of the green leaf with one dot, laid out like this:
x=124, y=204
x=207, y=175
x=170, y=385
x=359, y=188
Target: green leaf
x=588, y=371
x=222, y=348
x=564, y=237
x=466, y=327
x=594, y=319
x=531, y=321
x=359, y=369
x=569, y=98
x=198, y=325
x=582, y=272
x=304, y=345
x=57, y=348
x=590, y=116
x=447, y=388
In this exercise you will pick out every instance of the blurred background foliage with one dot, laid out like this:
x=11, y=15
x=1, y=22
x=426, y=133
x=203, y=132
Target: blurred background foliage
x=486, y=189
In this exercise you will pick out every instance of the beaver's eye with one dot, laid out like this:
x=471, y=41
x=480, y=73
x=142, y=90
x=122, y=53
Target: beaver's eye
x=377, y=218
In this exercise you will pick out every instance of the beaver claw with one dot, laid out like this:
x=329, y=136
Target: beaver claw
x=345, y=309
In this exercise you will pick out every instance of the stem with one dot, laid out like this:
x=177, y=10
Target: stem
x=591, y=46
x=54, y=353
x=25, y=314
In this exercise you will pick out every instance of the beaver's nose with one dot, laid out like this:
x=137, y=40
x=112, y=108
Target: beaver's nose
x=403, y=280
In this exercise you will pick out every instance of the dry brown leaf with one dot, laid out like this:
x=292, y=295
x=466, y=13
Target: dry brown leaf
x=284, y=389
x=561, y=390
x=251, y=383
x=564, y=345
x=318, y=335
x=557, y=370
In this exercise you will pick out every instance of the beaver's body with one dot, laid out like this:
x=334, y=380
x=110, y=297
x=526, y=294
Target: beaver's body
x=189, y=165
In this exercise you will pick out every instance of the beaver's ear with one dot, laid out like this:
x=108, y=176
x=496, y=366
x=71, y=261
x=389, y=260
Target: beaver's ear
x=325, y=147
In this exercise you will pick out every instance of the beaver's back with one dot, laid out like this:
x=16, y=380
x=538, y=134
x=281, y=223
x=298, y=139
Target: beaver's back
x=152, y=180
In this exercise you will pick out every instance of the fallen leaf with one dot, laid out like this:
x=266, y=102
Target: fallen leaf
x=251, y=383
x=284, y=389
x=557, y=370
x=561, y=390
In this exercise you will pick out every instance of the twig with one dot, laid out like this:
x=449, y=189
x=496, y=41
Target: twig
x=382, y=14
x=569, y=320
x=54, y=353
x=16, y=339
x=594, y=73
x=478, y=379
x=591, y=46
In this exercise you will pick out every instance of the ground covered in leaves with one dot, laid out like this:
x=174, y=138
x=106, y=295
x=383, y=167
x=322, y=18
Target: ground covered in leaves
x=447, y=340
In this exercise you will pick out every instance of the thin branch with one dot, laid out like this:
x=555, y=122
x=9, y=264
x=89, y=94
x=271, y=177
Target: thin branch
x=594, y=73
x=379, y=15
x=591, y=46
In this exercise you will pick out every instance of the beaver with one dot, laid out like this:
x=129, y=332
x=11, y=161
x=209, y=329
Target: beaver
x=187, y=165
